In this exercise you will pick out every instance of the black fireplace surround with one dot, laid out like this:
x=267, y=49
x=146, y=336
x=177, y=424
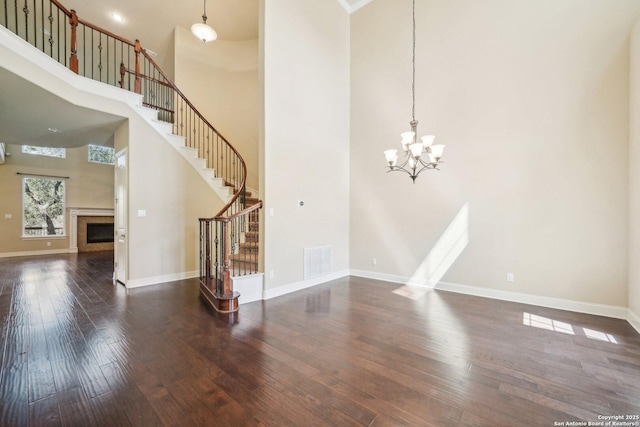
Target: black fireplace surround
x=99, y=233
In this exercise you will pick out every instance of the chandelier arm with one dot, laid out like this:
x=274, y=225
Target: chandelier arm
x=403, y=164
x=413, y=175
x=427, y=164
x=425, y=168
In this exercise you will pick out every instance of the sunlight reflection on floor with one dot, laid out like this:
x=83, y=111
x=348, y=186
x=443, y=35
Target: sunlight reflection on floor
x=541, y=322
x=411, y=292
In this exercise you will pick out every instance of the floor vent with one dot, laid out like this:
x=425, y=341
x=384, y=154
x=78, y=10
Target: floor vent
x=317, y=261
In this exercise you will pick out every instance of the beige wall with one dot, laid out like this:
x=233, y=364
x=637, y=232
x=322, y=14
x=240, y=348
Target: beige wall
x=221, y=80
x=174, y=196
x=531, y=99
x=306, y=134
x=90, y=185
x=634, y=181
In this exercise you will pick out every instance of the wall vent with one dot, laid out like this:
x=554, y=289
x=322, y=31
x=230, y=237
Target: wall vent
x=317, y=261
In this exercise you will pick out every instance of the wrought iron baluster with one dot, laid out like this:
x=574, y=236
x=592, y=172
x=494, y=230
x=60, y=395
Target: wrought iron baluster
x=25, y=10
x=50, y=31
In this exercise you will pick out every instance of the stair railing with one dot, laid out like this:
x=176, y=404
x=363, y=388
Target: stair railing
x=98, y=54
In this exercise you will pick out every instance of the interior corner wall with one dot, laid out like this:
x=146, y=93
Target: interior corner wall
x=532, y=101
x=221, y=80
x=305, y=77
x=634, y=179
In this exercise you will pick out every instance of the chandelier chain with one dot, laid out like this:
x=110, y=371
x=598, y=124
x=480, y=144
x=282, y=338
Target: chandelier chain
x=413, y=61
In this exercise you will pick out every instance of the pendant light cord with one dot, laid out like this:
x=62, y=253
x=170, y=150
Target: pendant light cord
x=204, y=13
x=413, y=61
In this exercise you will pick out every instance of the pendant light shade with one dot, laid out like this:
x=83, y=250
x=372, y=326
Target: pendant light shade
x=203, y=31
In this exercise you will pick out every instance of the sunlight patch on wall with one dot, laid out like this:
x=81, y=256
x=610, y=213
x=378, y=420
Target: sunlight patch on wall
x=445, y=252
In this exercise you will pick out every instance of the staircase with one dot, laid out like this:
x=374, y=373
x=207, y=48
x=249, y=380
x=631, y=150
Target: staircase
x=229, y=243
x=246, y=257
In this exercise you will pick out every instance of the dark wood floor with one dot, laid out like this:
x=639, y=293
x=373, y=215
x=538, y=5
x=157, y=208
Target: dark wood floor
x=78, y=351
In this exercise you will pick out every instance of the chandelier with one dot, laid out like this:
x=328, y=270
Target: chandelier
x=418, y=155
x=203, y=31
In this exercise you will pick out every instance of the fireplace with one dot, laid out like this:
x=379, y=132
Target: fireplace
x=99, y=233
x=95, y=233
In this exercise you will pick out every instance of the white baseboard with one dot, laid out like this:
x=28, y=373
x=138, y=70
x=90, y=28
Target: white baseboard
x=34, y=253
x=559, y=303
x=303, y=284
x=634, y=320
x=149, y=281
x=387, y=278
x=550, y=302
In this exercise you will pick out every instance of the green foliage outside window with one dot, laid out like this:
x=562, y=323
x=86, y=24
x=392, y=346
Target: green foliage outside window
x=45, y=151
x=43, y=201
x=104, y=155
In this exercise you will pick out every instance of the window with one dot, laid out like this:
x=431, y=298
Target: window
x=43, y=207
x=45, y=151
x=103, y=155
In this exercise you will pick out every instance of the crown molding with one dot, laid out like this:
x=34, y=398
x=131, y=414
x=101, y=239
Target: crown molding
x=350, y=8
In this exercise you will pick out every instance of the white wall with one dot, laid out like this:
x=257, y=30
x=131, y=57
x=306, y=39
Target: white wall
x=531, y=98
x=634, y=182
x=305, y=53
x=221, y=80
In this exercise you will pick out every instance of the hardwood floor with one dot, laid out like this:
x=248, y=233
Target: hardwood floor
x=78, y=351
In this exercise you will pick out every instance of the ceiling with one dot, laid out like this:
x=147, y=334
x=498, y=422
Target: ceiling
x=152, y=21
x=233, y=20
x=27, y=112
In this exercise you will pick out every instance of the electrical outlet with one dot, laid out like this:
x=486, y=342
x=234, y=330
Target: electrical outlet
x=48, y=243
x=270, y=274
x=374, y=261
x=510, y=277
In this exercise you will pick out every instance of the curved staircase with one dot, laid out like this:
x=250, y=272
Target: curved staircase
x=229, y=243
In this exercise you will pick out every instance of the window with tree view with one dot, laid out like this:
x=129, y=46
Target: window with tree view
x=100, y=154
x=43, y=207
x=45, y=151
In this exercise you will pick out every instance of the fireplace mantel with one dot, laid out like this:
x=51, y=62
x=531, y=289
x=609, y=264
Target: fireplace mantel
x=74, y=213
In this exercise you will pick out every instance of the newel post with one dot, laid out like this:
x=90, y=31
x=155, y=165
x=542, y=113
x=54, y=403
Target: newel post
x=207, y=250
x=226, y=273
x=138, y=49
x=73, y=59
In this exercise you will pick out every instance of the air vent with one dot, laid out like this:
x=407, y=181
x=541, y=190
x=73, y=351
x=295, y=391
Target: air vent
x=317, y=261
